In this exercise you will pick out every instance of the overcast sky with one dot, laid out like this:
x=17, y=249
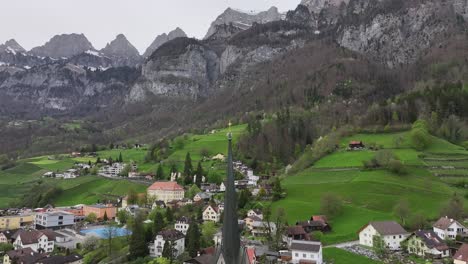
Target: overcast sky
x=33, y=22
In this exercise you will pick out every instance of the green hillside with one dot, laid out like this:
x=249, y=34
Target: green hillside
x=368, y=194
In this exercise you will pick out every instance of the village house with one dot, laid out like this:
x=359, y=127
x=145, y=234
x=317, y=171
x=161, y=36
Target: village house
x=54, y=220
x=176, y=237
x=58, y=259
x=427, y=244
x=255, y=212
x=316, y=223
x=461, y=256
x=209, y=187
x=26, y=255
x=10, y=222
x=356, y=145
x=8, y=235
x=3, y=238
x=211, y=213
x=158, y=204
x=38, y=241
x=182, y=224
x=222, y=187
x=390, y=232
x=306, y=252
x=447, y=228
x=295, y=233
x=166, y=191
x=249, y=220
x=260, y=228
x=202, y=197
x=101, y=210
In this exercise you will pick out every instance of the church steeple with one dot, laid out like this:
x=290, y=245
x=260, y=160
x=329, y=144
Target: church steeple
x=231, y=237
x=230, y=251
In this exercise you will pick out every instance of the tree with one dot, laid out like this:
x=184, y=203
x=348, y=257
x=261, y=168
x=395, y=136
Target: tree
x=455, y=208
x=383, y=157
x=402, y=211
x=379, y=246
x=91, y=218
x=160, y=173
x=126, y=170
x=105, y=217
x=132, y=196
x=208, y=231
x=168, y=250
x=199, y=174
x=158, y=223
x=396, y=166
x=277, y=189
x=188, y=169
x=244, y=197
x=193, y=237
x=123, y=216
x=5, y=247
x=90, y=243
x=419, y=135
x=169, y=215
x=192, y=191
x=98, y=160
x=262, y=192
x=110, y=232
x=137, y=243
x=120, y=158
x=418, y=221
x=331, y=205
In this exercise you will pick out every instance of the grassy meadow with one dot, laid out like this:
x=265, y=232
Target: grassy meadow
x=368, y=195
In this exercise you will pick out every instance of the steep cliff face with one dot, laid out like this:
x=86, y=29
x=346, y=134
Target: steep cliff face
x=63, y=46
x=243, y=19
x=395, y=32
x=182, y=67
x=65, y=87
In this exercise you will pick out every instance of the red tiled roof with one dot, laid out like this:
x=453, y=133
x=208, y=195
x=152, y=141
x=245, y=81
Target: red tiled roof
x=355, y=142
x=251, y=255
x=462, y=253
x=166, y=186
x=319, y=218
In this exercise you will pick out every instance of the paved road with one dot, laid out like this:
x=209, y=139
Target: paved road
x=342, y=245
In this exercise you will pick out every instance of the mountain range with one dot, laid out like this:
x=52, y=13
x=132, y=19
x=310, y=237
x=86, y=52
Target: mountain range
x=248, y=61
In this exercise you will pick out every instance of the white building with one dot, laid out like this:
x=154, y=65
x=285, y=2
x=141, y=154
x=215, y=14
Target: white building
x=173, y=236
x=306, y=252
x=391, y=233
x=182, y=224
x=447, y=228
x=43, y=240
x=54, y=220
x=211, y=213
x=255, y=212
x=222, y=187
x=113, y=170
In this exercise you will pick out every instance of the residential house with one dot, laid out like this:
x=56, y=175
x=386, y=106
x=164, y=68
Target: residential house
x=54, y=220
x=166, y=191
x=447, y=228
x=461, y=256
x=311, y=226
x=427, y=244
x=132, y=209
x=355, y=145
x=3, y=238
x=222, y=187
x=306, y=252
x=202, y=259
x=22, y=256
x=255, y=212
x=38, y=241
x=295, y=233
x=10, y=222
x=260, y=228
x=209, y=187
x=58, y=259
x=182, y=224
x=390, y=232
x=202, y=196
x=115, y=169
x=173, y=236
x=211, y=213
x=101, y=210
x=249, y=220
x=158, y=204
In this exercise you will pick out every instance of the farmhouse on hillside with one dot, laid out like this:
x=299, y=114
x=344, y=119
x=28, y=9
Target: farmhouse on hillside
x=166, y=191
x=427, y=244
x=447, y=228
x=390, y=232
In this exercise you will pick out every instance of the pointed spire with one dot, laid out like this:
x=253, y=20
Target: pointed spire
x=231, y=238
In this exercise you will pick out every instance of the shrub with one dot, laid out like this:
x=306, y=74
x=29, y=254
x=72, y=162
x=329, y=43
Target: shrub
x=396, y=167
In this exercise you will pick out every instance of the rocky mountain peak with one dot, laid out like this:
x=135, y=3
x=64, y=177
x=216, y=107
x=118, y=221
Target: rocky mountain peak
x=65, y=45
x=163, y=38
x=244, y=19
x=12, y=46
x=316, y=6
x=120, y=47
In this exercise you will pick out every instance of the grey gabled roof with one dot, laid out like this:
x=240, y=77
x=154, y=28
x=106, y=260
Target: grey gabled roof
x=385, y=228
x=310, y=246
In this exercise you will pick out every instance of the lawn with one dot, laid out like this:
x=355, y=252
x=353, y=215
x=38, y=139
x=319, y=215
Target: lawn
x=386, y=140
x=91, y=189
x=340, y=256
x=367, y=194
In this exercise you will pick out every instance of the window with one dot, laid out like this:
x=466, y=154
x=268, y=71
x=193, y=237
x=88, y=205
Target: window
x=296, y=254
x=304, y=255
